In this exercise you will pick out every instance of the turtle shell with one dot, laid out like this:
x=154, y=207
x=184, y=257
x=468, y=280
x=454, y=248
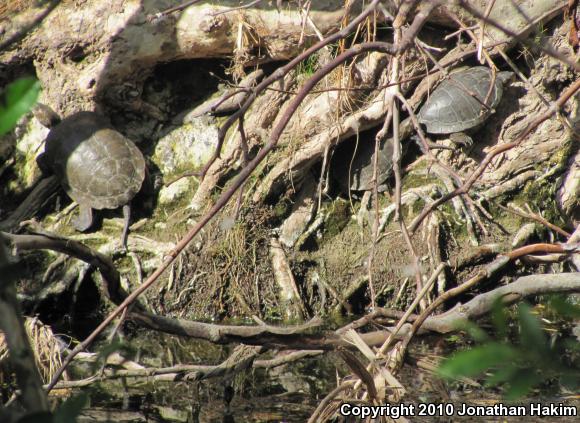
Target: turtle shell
x=97, y=166
x=361, y=166
x=457, y=103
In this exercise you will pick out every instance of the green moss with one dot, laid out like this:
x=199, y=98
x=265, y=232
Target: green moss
x=510, y=221
x=415, y=180
x=337, y=219
x=282, y=208
x=26, y=169
x=541, y=193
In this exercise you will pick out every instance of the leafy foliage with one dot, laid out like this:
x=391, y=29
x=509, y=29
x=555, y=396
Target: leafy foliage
x=71, y=408
x=17, y=99
x=520, y=366
x=67, y=412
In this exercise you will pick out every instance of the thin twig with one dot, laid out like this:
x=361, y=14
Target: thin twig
x=463, y=189
x=228, y=194
x=537, y=218
x=233, y=9
x=278, y=75
x=178, y=8
x=411, y=308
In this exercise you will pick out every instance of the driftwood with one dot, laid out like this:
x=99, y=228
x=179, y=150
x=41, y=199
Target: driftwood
x=266, y=335
x=523, y=287
x=295, y=338
x=290, y=297
x=102, y=45
x=74, y=249
x=173, y=373
x=40, y=194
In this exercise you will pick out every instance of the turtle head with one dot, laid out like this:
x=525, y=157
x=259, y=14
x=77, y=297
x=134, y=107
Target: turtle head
x=45, y=115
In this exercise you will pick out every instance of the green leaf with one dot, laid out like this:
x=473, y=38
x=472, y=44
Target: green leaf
x=564, y=308
x=531, y=334
x=71, y=408
x=475, y=332
x=17, y=99
x=522, y=382
x=499, y=317
x=477, y=360
x=502, y=375
x=571, y=380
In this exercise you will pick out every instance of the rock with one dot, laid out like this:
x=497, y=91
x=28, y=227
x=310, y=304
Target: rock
x=186, y=147
x=28, y=146
x=174, y=192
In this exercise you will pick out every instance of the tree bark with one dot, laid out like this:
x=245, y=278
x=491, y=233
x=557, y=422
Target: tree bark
x=86, y=52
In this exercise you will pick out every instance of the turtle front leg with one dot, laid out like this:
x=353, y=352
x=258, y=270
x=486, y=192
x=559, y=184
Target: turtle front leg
x=84, y=220
x=127, y=216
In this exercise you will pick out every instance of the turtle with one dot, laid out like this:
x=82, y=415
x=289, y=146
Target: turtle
x=460, y=103
x=97, y=166
x=361, y=167
x=463, y=102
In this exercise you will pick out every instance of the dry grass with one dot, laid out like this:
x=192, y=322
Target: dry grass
x=46, y=347
x=229, y=276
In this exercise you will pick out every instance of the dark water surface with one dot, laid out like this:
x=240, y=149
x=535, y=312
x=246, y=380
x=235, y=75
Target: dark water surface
x=287, y=393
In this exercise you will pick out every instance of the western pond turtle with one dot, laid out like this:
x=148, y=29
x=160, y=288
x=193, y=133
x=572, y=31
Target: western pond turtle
x=360, y=164
x=97, y=166
x=461, y=102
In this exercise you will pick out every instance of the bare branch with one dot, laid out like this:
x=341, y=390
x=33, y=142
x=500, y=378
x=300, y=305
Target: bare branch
x=498, y=149
x=75, y=249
